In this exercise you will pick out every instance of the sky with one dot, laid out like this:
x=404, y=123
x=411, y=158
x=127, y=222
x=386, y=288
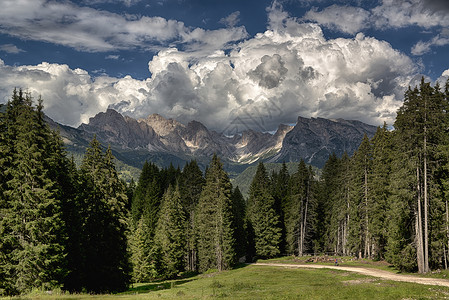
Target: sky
x=232, y=65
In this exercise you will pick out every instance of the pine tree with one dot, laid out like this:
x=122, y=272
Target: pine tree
x=418, y=127
x=263, y=217
x=170, y=233
x=327, y=205
x=300, y=212
x=239, y=226
x=191, y=185
x=32, y=230
x=379, y=187
x=360, y=235
x=107, y=259
x=281, y=193
x=140, y=254
x=215, y=236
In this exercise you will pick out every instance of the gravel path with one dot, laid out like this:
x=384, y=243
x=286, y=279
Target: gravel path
x=371, y=272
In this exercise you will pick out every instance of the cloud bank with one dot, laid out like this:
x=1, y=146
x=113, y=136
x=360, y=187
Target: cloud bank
x=87, y=29
x=389, y=14
x=289, y=70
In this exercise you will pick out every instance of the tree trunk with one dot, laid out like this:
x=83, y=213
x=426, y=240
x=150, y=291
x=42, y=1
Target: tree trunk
x=367, y=245
x=447, y=230
x=418, y=228
x=303, y=234
x=426, y=232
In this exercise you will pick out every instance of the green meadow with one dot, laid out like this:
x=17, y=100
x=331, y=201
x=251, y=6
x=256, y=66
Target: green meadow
x=265, y=282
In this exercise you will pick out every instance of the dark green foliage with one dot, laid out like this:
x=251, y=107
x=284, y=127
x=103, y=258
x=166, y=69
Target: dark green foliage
x=359, y=237
x=191, y=184
x=170, y=235
x=214, y=220
x=105, y=260
x=239, y=218
x=143, y=270
x=300, y=211
x=263, y=216
x=31, y=227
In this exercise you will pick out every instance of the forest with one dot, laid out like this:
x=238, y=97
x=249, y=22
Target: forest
x=81, y=228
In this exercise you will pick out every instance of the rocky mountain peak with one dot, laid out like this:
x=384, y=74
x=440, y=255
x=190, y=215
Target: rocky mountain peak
x=311, y=139
x=315, y=139
x=161, y=125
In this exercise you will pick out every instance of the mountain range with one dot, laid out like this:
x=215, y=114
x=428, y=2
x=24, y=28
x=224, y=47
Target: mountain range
x=167, y=141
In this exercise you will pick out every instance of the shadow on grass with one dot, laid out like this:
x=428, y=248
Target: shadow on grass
x=142, y=288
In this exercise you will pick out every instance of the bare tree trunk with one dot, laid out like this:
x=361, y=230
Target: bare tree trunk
x=300, y=238
x=367, y=245
x=303, y=234
x=426, y=204
x=347, y=221
x=444, y=257
x=418, y=228
x=447, y=230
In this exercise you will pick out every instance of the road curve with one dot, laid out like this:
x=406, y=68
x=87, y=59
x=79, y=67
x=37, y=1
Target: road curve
x=370, y=272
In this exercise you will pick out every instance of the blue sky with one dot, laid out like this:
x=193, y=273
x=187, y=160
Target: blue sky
x=266, y=62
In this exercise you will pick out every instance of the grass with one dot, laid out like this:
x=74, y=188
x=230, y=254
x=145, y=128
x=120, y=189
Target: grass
x=264, y=282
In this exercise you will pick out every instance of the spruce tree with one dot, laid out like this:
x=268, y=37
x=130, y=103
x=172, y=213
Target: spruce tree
x=263, y=216
x=214, y=219
x=31, y=229
x=107, y=260
x=418, y=128
x=191, y=184
x=170, y=233
x=239, y=212
x=361, y=215
x=379, y=187
x=300, y=213
x=140, y=254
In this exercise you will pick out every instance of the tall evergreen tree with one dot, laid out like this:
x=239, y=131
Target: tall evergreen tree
x=380, y=189
x=31, y=228
x=327, y=203
x=263, y=216
x=191, y=184
x=301, y=211
x=281, y=193
x=239, y=224
x=107, y=260
x=170, y=233
x=418, y=127
x=360, y=235
x=215, y=235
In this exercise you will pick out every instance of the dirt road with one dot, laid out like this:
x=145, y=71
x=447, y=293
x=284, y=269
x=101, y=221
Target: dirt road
x=370, y=272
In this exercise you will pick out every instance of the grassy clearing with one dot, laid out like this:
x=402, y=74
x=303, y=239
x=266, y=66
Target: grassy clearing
x=263, y=282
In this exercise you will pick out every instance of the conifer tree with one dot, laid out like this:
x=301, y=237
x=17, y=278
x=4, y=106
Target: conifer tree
x=418, y=128
x=239, y=226
x=380, y=190
x=107, y=260
x=300, y=212
x=327, y=202
x=170, y=233
x=360, y=235
x=263, y=217
x=31, y=228
x=281, y=193
x=215, y=235
x=140, y=254
x=191, y=185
